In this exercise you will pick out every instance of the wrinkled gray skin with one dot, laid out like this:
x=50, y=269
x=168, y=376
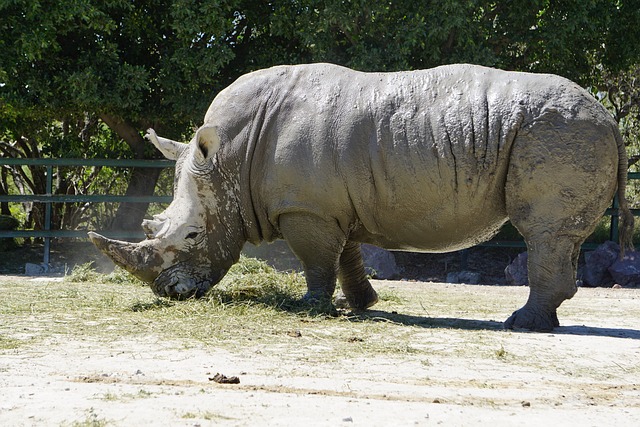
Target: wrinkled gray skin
x=436, y=160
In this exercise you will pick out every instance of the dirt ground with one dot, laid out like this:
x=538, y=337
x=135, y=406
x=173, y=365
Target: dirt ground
x=457, y=368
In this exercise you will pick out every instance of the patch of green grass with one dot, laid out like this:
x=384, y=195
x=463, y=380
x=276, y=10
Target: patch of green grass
x=205, y=415
x=7, y=343
x=112, y=397
x=254, y=281
x=156, y=304
x=144, y=393
x=501, y=353
x=252, y=297
x=389, y=295
x=86, y=273
x=92, y=420
x=83, y=273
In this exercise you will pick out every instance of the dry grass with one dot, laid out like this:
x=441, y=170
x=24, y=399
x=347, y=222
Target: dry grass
x=256, y=306
x=253, y=305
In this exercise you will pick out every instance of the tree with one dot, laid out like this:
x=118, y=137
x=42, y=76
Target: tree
x=43, y=136
x=142, y=63
x=131, y=64
x=564, y=37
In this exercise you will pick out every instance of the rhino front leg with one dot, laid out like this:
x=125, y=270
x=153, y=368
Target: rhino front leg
x=318, y=244
x=356, y=289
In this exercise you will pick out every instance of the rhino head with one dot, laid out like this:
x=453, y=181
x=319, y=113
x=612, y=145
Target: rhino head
x=191, y=245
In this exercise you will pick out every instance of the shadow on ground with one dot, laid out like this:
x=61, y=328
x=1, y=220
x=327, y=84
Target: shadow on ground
x=492, y=325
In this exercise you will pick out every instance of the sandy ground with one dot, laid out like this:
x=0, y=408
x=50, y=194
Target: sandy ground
x=585, y=373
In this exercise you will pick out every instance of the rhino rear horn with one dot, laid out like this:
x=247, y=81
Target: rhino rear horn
x=151, y=227
x=169, y=148
x=143, y=261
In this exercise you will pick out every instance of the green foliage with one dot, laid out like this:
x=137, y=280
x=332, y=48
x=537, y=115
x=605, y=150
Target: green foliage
x=538, y=35
x=76, y=136
x=139, y=60
x=150, y=61
x=620, y=92
x=68, y=65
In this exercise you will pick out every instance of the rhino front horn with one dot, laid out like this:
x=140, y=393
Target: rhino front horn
x=143, y=261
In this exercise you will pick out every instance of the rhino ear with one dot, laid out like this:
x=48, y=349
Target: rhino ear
x=208, y=141
x=169, y=148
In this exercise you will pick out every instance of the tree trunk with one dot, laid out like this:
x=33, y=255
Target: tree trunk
x=129, y=215
x=4, y=206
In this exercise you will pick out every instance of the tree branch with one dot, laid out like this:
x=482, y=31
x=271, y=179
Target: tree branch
x=127, y=132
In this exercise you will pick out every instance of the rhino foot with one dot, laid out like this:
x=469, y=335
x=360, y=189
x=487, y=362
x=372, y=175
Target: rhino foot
x=320, y=304
x=341, y=301
x=533, y=319
x=356, y=294
x=361, y=301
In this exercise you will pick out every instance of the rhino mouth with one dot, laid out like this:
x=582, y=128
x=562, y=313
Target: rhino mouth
x=181, y=282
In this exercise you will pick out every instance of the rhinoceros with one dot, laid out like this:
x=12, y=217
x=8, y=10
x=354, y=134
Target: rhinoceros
x=435, y=160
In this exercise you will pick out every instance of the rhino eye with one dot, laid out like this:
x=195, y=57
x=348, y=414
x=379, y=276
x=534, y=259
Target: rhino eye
x=192, y=235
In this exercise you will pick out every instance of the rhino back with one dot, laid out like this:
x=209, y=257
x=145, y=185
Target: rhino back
x=401, y=160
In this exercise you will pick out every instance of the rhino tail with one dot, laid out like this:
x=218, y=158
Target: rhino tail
x=624, y=213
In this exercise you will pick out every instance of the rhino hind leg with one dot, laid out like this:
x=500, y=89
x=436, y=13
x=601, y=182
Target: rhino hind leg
x=558, y=184
x=317, y=243
x=357, y=291
x=552, y=263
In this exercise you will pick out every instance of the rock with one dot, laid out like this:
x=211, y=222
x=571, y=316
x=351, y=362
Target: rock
x=31, y=269
x=468, y=277
x=626, y=271
x=597, y=263
x=602, y=268
x=516, y=273
x=223, y=379
x=379, y=263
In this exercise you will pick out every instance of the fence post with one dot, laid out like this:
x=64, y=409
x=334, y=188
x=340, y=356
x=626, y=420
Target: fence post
x=47, y=219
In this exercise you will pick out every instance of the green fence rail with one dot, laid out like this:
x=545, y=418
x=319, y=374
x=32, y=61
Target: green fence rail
x=49, y=198
x=47, y=234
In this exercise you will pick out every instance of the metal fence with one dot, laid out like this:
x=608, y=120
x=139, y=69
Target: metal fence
x=47, y=233
x=49, y=198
